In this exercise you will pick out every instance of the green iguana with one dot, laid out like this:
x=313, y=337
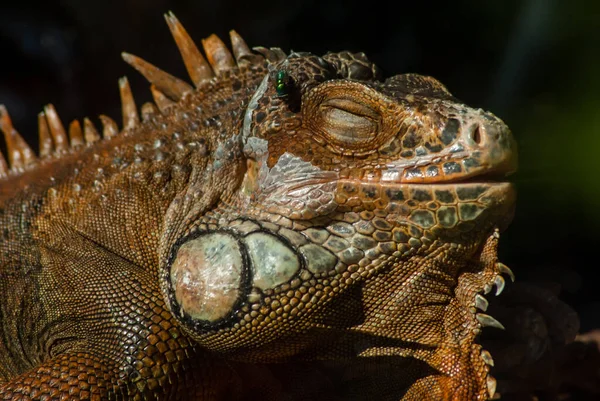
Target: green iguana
x=290, y=227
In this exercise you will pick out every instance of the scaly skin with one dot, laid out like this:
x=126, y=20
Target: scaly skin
x=296, y=228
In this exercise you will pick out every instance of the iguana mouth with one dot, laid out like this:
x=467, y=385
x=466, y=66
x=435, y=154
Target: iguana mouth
x=400, y=176
x=490, y=164
x=450, y=171
x=487, y=178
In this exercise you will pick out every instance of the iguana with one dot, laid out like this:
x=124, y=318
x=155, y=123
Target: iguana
x=289, y=227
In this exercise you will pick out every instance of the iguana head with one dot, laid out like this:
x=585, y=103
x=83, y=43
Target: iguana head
x=364, y=225
x=336, y=122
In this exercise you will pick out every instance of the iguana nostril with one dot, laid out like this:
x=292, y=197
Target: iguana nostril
x=476, y=133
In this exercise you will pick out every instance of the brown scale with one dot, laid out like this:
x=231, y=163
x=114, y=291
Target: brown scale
x=393, y=311
x=137, y=350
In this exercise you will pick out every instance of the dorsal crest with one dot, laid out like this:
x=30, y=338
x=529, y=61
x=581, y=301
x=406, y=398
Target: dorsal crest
x=167, y=90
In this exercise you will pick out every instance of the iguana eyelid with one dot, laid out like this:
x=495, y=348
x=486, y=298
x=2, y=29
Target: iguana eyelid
x=353, y=107
x=347, y=127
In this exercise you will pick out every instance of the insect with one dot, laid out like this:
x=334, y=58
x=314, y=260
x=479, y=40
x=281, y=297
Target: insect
x=283, y=83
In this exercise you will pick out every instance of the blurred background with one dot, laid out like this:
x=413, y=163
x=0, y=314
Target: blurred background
x=534, y=63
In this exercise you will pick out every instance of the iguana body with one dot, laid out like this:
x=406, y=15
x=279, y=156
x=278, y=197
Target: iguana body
x=294, y=228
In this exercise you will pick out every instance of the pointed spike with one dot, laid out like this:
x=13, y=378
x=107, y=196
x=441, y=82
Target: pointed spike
x=128, y=107
x=480, y=302
x=280, y=54
x=173, y=87
x=500, y=283
x=218, y=55
x=506, y=270
x=19, y=153
x=90, y=133
x=487, y=288
x=5, y=120
x=239, y=46
x=27, y=153
x=75, y=134
x=491, y=386
x=3, y=166
x=273, y=55
x=61, y=143
x=487, y=357
x=149, y=110
x=45, y=139
x=109, y=127
x=14, y=156
x=241, y=51
x=161, y=100
x=267, y=53
x=488, y=321
x=195, y=63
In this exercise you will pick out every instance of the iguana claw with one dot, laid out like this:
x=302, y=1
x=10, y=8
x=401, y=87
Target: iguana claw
x=506, y=270
x=499, y=281
x=487, y=357
x=480, y=302
x=487, y=320
x=491, y=385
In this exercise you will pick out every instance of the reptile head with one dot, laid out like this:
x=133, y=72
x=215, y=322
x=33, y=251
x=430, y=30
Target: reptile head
x=365, y=226
x=400, y=139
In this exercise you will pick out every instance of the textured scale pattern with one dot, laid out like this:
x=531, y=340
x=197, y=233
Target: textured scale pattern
x=285, y=227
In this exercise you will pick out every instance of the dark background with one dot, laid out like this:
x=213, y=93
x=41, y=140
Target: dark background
x=534, y=63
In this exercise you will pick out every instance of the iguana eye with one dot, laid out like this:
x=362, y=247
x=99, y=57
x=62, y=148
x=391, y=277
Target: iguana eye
x=348, y=122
